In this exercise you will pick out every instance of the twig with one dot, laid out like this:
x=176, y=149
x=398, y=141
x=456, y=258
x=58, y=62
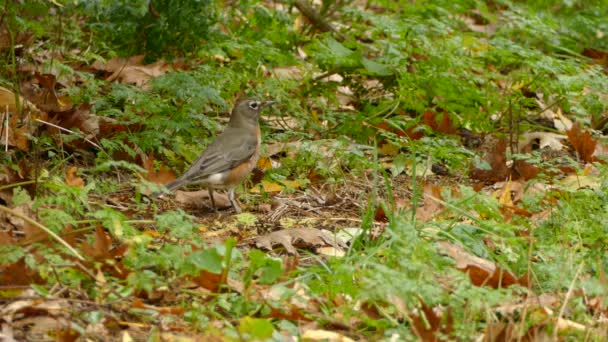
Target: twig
x=43, y=228
x=316, y=19
x=7, y=117
x=568, y=295
x=69, y=131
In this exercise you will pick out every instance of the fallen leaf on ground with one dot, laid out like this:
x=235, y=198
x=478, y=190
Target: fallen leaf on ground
x=509, y=192
x=481, y=271
x=164, y=175
x=131, y=70
x=201, y=199
x=583, y=143
x=72, y=179
x=297, y=237
x=18, y=273
x=19, y=126
x=99, y=249
x=427, y=210
x=439, y=122
x=331, y=252
x=541, y=140
x=576, y=182
x=560, y=122
x=533, y=302
x=434, y=324
x=493, y=164
x=324, y=335
x=270, y=186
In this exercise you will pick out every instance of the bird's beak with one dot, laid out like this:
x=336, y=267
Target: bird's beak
x=268, y=103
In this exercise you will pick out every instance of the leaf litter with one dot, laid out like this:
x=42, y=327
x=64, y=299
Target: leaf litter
x=494, y=168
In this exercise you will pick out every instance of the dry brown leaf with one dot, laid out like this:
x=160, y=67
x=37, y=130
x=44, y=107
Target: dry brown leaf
x=583, y=143
x=545, y=300
x=600, y=56
x=164, y=175
x=601, y=153
x=555, y=115
x=427, y=211
x=201, y=199
x=18, y=273
x=80, y=118
x=494, y=153
x=19, y=125
x=99, y=249
x=131, y=70
x=477, y=23
x=434, y=324
x=72, y=179
x=297, y=237
x=509, y=192
x=482, y=272
x=439, y=122
x=209, y=281
x=42, y=91
x=542, y=140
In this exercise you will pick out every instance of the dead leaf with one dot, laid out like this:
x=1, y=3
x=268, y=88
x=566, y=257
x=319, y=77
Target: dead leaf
x=493, y=151
x=99, y=249
x=42, y=91
x=297, y=237
x=541, y=140
x=552, y=113
x=324, y=335
x=476, y=22
x=131, y=71
x=164, y=175
x=269, y=186
x=545, y=300
x=290, y=72
x=209, y=281
x=583, y=143
x=72, y=179
x=201, y=199
x=599, y=56
x=427, y=210
x=19, y=124
x=434, y=324
x=509, y=192
x=439, y=122
x=331, y=251
x=18, y=273
x=482, y=272
x=264, y=163
x=80, y=118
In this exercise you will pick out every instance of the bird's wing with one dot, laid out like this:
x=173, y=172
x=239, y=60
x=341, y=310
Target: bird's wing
x=231, y=148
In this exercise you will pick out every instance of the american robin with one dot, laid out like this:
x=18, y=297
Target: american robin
x=231, y=156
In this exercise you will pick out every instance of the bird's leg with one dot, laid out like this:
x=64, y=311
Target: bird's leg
x=235, y=205
x=210, y=190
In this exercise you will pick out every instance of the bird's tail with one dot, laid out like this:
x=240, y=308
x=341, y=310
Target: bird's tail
x=176, y=184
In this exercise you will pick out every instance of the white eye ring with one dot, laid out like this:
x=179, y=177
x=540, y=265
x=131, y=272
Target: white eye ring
x=254, y=105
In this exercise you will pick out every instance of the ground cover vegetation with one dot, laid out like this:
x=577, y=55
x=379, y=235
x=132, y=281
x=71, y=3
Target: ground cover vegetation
x=432, y=170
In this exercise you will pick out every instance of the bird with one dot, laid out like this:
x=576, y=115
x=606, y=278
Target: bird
x=227, y=161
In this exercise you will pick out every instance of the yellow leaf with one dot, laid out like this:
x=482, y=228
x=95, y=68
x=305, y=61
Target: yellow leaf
x=264, y=163
x=269, y=186
x=389, y=149
x=505, y=196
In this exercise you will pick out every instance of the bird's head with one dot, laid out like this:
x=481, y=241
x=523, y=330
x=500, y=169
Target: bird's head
x=248, y=110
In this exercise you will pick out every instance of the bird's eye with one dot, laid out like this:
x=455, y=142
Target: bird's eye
x=254, y=105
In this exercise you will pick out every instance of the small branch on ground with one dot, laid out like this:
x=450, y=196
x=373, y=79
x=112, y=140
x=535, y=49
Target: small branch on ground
x=316, y=19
